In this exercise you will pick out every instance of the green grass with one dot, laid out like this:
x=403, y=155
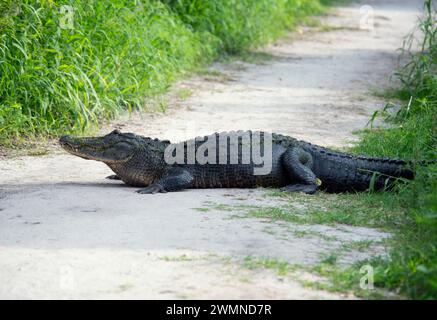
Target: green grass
x=343, y=280
x=325, y=275
x=282, y=267
x=359, y=245
x=312, y=233
x=240, y=24
x=117, y=55
x=376, y=210
x=184, y=93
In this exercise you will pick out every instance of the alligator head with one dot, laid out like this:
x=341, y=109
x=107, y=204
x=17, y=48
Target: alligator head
x=115, y=147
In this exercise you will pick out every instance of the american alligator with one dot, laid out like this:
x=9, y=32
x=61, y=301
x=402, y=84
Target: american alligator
x=226, y=162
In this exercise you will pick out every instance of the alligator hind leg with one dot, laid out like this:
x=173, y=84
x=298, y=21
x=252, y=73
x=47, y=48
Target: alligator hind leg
x=176, y=179
x=298, y=164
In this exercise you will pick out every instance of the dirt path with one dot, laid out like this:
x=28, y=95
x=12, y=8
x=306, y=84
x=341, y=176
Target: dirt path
x=65, y=232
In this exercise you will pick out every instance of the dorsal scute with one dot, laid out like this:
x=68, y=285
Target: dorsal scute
x=278, y=139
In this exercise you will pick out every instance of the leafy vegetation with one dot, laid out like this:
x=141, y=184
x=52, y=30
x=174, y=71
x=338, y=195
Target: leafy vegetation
x=58, y=77
x=239, y=24
x=67, y=64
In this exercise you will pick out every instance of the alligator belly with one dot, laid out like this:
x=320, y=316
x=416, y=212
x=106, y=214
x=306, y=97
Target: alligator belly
x=237, y=176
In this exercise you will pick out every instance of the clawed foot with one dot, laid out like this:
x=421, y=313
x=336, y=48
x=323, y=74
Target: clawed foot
x=152, y=189
x=113, y=177
x=305, y=188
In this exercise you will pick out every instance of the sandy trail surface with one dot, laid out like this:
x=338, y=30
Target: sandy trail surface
x=66, y=232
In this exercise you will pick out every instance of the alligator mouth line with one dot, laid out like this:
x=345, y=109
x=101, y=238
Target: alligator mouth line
x=77, y=150
x=70, y=146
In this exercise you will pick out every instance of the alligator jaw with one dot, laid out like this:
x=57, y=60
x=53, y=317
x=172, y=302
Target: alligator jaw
x=75, y=147
x=114, y=147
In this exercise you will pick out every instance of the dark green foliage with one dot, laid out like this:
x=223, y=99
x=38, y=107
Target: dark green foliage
x=240, y=24
x=55, y=79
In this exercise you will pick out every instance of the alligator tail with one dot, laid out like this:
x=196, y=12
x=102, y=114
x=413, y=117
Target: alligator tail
x=343, y=172
x=396, y=168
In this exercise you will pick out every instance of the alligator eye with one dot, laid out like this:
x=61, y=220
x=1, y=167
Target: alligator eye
x=116, y=131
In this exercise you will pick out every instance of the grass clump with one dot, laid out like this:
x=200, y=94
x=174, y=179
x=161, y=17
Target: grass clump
x=345, y=280
x=67, y=64
x=412, y=267
x=325, y=275
x=240, y=24
x=280, y=266
x=360, y=209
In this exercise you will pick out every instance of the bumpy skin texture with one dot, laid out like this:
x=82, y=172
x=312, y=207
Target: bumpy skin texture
x=296, y=165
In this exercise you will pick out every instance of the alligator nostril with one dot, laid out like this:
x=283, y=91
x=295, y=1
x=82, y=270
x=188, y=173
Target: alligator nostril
x=64, y=139
x=116, y=131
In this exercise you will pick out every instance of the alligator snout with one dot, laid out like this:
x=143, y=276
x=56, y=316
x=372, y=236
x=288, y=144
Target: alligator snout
x=64, y=139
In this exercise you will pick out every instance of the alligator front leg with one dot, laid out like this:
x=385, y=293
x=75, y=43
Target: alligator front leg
x=176, y=179
x=113, y=177
x=298, y=164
